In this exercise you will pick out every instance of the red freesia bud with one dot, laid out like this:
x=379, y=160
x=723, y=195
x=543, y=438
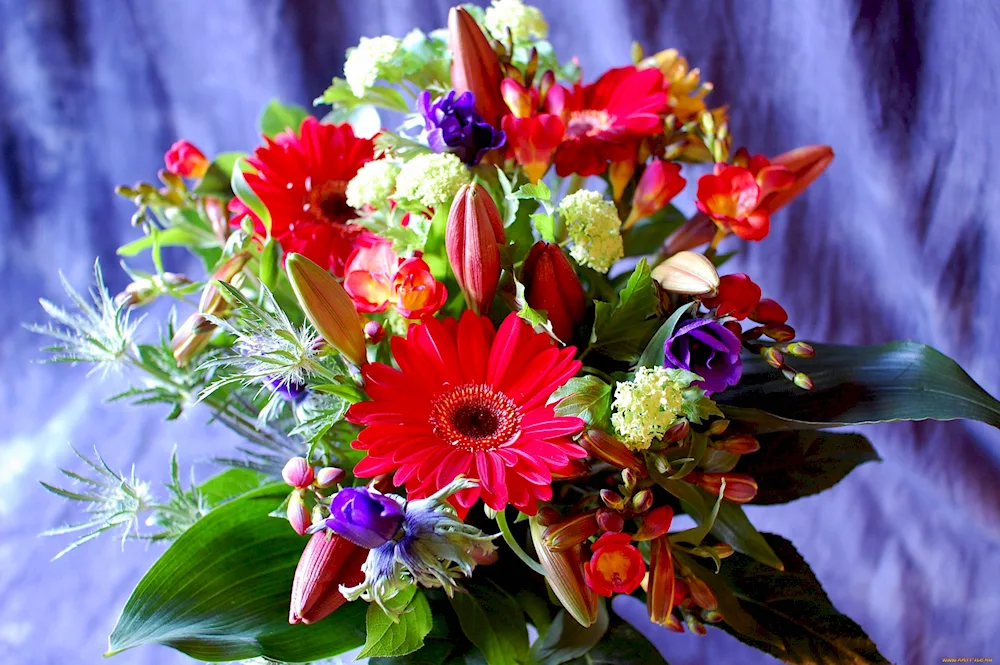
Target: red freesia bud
x=768, y=311
x=737, y=296
x=185, y=160
x=475, y=67
x=612, y=500
x=534, y=141
x=572, y=470
x=659, y=183
x=297, y=473
x=374, y=332
x=677, y=432
x=660, y=592
x=806, y=164
x=609, y=521
x=615, y=566
x=701, y=594
x=327, y=562
x=571, y=532
x=329, y=476
x=552, y=285
x=297, y=513
x=740, y=488
x=472, y=239
x=693, y=233
x=620, y=174
x=642, y=501
x=415, y=292
x=740, y=444
x=655, y=523
x=608, y=449
x=567, y=578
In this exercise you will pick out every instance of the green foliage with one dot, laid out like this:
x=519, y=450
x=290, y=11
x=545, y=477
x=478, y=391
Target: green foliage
x=405, y=239
x=622, y=645
x=544, y=222
x=653, y=354
x=389, y=638
x=858, y=385
x=216, y=181
x=622, y=330
x=340, y=94
x=586, y=397
x=221, y=592
x=791, y=605
x=278, y=117
x=566, y=639
x=243, y=191
x=512, y=291
x=647, y=235
x=791, y=465
x=494, y=622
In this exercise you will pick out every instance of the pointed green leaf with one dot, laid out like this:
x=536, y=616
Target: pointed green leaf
x=245, y=193
x=622, y=330
x=648, y=234
x=221, y=592
x=732, y=526
x=622, y=645
x=390, y=638
x=586, y=397
x=653, y=355
x=278, y=117
x=566, y=639
x=494, y=622
x=219, y=175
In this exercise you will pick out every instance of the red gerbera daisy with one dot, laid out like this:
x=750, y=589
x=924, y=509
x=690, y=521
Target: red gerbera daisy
x=606, y=120
x=302, y=180
x=468, y=400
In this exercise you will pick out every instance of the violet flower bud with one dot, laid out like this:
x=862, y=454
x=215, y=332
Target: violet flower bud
x=365, y=517
x=707, y=348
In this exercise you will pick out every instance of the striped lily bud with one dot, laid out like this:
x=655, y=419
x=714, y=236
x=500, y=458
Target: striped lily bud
x=475, y=67
x=297, y=473
x=570, y=533
x=551, y=285
x=740, y=488
x=608, y=449
x=473, y=238
x=196, y=331
x=566, y=577
x=329, y=476
x=327, y=305
x=609, y=521
x=297, y=513
x=660, y=587
x=327, y=562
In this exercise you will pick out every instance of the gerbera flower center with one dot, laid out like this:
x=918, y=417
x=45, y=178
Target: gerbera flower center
x=475, y=418
x=588, y=122
x=328, y=202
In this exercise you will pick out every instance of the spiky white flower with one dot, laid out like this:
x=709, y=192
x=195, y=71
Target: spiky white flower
x=523, y=21
x=366, y=61
x=594, y=226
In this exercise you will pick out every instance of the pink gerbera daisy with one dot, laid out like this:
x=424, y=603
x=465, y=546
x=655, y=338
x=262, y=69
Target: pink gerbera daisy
x=302, y=179
x=468, y=400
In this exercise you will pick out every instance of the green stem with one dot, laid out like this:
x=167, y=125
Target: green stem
x=515, y=546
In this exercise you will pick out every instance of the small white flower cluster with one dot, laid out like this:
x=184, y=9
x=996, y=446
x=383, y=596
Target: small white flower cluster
x=649, y=404
x=366, y=61
x=524, y=21
x=595, y=229
x=431, y=179
x=373, y=185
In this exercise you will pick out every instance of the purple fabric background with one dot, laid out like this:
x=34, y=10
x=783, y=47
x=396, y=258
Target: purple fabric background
x=899, y=240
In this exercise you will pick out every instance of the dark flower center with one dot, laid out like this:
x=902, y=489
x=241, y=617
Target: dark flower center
x=475, y=418
x=328, y=202
x=587, y=123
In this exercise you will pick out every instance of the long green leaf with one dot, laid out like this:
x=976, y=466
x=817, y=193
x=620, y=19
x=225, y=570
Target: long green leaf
x=792, y=606
x=566, y=639
x=494, y=622
x=221, y=592
x=860, y=384
x=216, y=181
x=622, y=645
x=791, y=465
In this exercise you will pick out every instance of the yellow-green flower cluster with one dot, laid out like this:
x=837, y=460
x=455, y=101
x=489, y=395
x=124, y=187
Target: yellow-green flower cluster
x=593, y=224
x=649, y=404
x=365, y=62
x=431, y=179
x=373, y=185
x=524, y=21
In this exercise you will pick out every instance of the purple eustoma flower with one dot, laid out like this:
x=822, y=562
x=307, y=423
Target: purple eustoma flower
x=454, y=125
x=707, y=348
x=365, y=517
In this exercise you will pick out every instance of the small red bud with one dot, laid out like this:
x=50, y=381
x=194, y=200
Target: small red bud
x=329, y=476
x=769, y=312
x=605, y=447
x=717, y=427
x=772, y=357
x=551, y=285
x=740, y=488
x=678, y=431
x=473, y=237
x=642, y=501
x=609, y=521
x=297, y=473
x=374, y=332
x=327, y=562
x=800, y=349
x=297, y=513
x=612, y=500
x=629, y=478
x=779, y=332
x=803, y=381
x=739, y=444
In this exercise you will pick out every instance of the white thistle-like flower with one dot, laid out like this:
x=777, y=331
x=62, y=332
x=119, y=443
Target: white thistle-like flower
x=434, y=550
x=97, y=331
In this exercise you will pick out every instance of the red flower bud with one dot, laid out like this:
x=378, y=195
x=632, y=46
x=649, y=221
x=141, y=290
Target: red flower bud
x=740, y=487
x=374, y=332
x=475, y=67
x=737, y=297
x=740, y=444
x=610, y=521
x=806, y=164
x=552, y=285
x=297, y=513
x=185, y=160
x=659, y=183
x=660, y=593
x=472, y=239
x=534, y=141
x=768, y=311
x=327, y=562
x=571, y=532
x=655, y=523
x=297, y=473
x=329, y=475
x=608, y=449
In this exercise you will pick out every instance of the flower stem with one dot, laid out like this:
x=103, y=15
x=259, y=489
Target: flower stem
x=515, y=546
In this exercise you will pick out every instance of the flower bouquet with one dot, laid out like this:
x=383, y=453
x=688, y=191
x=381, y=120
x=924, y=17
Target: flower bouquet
x=480, y=363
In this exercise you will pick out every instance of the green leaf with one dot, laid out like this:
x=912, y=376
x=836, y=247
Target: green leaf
x=221, y=592
x=538, y=191
x=648, y=234
x=397, y=638
x=793, y=606
x=219, y=175
x=653, y=355
x=566, y=639
x=245, y=193
x=339, y=93
x=586, y=397
x=791, y=465
x=364, y=119
x=270, y=259
x=513, y=294
x=545, y=224
x=278, y=117
x=434, y=652
x=622, y=331
x=494, y=622
x=175, y=236
x=623, y=645
x=732, y=526
x=229, y=484
x=859, y=385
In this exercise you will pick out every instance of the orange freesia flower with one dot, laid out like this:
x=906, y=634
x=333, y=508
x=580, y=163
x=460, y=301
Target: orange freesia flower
x=377, y=278
x=616, y=565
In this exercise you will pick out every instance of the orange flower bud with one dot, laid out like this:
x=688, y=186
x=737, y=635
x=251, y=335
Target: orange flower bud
x=327, y=562
x=739, y=444
x=475, y=67
x=806, y=164
x=613, y=500
x=740, y=488
x=472, y=239
x=695, y=232
x=660, y=591
x=655, y=523
x=659, y=183
x=571, y=532
x=566, y=577
x=184, y=159
x=642, y=501
x=701, y=594
x=620, y=174
x=552, y=285
x=327, y=305
x=608, y=449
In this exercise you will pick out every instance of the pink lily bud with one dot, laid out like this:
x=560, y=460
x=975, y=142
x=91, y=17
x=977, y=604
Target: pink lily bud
x=566, y=577
x=297, y=513
x=297, y=473
x=608, y=449
x=660, y=182
x=570, y=533
x=740, y=488
x=473, y=238
x=327, y=562
x=806, y=163
x=552, y=285
x=475, y=67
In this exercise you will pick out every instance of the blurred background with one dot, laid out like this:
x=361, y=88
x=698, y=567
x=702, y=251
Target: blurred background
x=898, y=240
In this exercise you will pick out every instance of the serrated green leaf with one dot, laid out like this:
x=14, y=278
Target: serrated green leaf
x=390, y=638
x=216, y=181
x=566, y=639
x=622, y=330
x=792, y=605
x=221, y=592
x=586, y=397
x=545, y=224
x=278, y=117
x=791, y=465
x=494, y=622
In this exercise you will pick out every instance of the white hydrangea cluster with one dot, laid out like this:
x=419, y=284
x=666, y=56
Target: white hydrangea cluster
x=431, y=179
x=373, y=185
x=594, y=226
x=649, y=404
x=524, y=21
x=365, y=62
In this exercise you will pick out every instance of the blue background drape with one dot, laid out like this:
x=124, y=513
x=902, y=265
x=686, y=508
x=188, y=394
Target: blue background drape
x=899, y=240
